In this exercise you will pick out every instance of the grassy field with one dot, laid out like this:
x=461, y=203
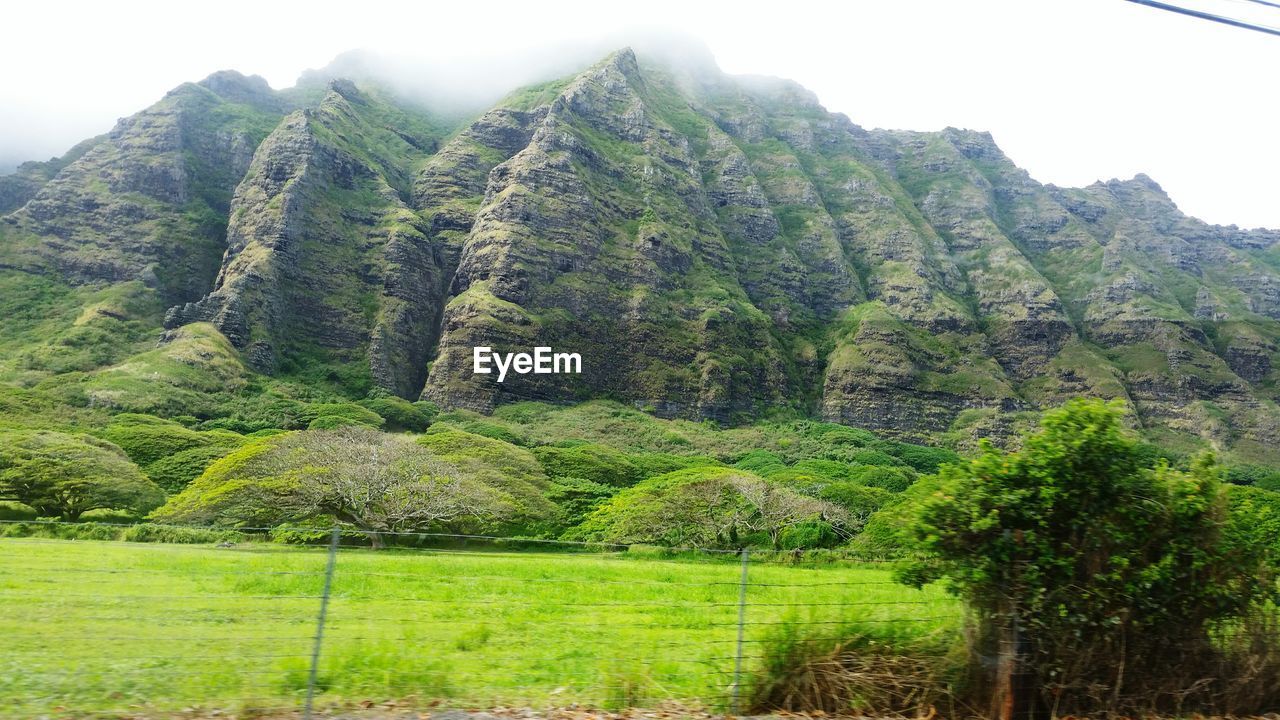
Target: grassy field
x=108, y=627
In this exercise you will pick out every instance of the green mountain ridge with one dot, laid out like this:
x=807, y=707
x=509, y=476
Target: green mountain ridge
x=714, y=247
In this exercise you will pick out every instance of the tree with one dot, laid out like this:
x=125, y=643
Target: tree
x=376, y=483
x=65, y=475
x=1106, y=574
x=354, y=476
x=705, y=507
x=777, y=508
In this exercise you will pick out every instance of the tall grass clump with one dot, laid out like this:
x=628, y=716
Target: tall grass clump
x=867, y=670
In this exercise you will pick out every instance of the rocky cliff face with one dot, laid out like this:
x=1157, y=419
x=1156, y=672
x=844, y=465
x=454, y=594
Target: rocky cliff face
x=713, y=247
x=149, y=201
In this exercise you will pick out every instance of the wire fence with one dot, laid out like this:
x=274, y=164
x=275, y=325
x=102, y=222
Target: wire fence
x=124, y=629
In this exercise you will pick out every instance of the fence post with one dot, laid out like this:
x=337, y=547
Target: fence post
x=320, y=620
x=735, y=697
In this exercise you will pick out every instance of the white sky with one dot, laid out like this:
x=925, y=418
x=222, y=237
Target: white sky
x=1072, y=90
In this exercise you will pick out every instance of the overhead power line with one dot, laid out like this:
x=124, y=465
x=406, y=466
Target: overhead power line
x=1263, y=2
x=1210, y=16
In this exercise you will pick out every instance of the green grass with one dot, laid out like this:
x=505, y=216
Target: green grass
x=108, y=626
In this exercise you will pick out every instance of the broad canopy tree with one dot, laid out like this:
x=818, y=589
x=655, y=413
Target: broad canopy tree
x=707, y=507
x=64, y=475
x=354, y=476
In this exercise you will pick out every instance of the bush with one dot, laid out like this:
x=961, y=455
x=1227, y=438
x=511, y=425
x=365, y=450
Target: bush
x=809, y=535
x=1255, y=475
x=399, y=414
x=576, y=498
x=175, y=472
x=146, y=439
x=330, y=422
x=924, y=459
x=16, y=511
x=596, y=463
x=152, y=533
x=760, y=462
x=893, y=479
x=1112, y=577
x=351, y=412
x=860, y=501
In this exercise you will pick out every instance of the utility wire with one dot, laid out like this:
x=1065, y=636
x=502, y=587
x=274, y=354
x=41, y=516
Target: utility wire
x=1263, y=2
x=1210, y=16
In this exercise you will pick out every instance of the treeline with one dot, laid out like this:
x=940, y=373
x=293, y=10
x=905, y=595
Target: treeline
x=598, y=472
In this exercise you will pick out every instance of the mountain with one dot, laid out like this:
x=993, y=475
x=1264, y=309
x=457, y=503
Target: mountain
x=714, y=247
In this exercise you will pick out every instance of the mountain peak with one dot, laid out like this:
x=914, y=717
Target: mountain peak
x=237, y=87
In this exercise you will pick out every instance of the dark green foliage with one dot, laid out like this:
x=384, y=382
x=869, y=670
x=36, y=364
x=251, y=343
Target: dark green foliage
x=16, y=511
x=866, y=457
x=860, y=500
x=1147, y=568
x=1256, y=475
x=925, y=459
x=889, y=530
x=760, y=462
x=893, y=479
x=175, y=472
x=399, y=414
x=809, y=534
x=827, y=469
x=576, y=498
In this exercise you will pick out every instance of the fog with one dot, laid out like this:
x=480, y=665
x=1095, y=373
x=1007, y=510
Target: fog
x=1073, y=91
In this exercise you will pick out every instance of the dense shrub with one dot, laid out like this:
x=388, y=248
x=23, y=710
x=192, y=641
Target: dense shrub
x=150, y=532
x=827, y=469
x=888, y=531
x=62, y=531
x=597, y=463
x=867, y=456
x=175, y=472
x=859, y=500
x=399, y=414
x=1255, y=519
x=924, y=459
x=893, y=479
x=576, y=498
x=16, y=511
x=760, y=462
x=1112, y=577
x=146, y=439
x=348, y=411
x=809, y=534
x=1256, y=475
x=330, y=422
